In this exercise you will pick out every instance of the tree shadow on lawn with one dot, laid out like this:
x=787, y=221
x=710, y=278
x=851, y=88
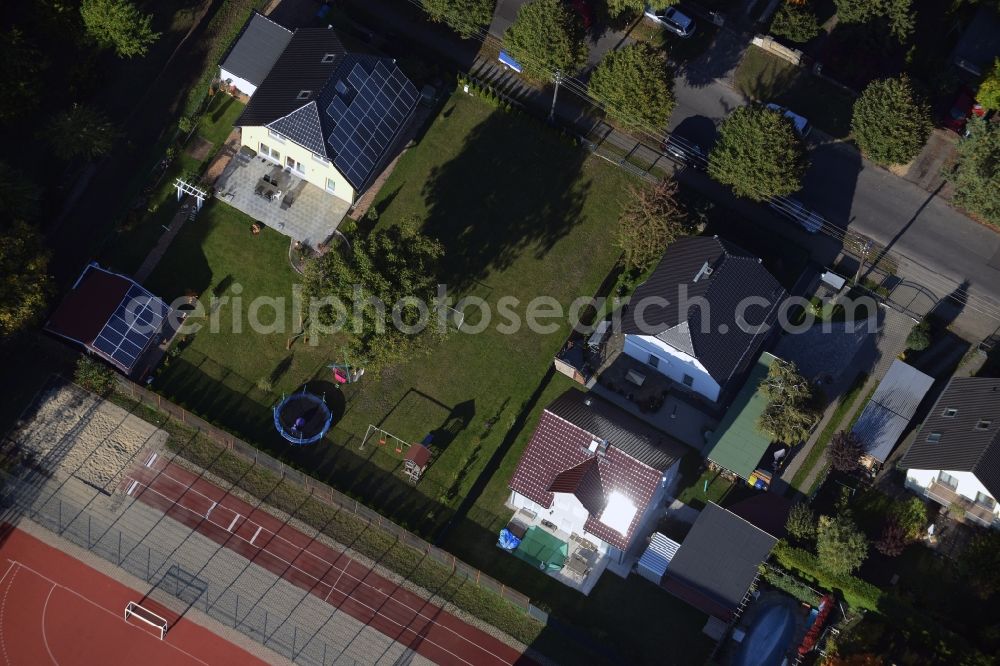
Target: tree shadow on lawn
x=514, y=187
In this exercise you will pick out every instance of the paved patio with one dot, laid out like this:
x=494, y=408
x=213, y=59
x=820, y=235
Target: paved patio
x=286, y=203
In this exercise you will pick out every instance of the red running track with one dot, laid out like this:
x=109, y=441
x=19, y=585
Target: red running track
x=55, y=609
x=310, y=565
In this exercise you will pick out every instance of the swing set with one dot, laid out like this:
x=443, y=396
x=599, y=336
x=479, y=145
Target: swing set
x=383, y=437
x=345, y=373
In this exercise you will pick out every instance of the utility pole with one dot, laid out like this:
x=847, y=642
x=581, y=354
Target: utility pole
x=864, y=256
x=555, y=94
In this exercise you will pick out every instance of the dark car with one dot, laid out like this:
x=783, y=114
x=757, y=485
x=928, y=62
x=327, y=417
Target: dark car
x=961, y=110
x=686, y=152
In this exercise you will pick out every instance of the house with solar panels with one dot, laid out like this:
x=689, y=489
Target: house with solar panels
x=589, y=487
x=317, y=132
x=114, y=317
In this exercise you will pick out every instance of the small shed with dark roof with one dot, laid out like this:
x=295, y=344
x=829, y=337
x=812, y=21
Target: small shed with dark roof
x=253, y=54
x=892, y=406
x=717, y=562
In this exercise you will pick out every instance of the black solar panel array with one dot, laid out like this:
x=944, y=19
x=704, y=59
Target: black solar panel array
x=129, y=330
x=368, y=111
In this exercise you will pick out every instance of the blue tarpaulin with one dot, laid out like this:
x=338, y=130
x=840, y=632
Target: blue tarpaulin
x=507, y=60
x=508, y=541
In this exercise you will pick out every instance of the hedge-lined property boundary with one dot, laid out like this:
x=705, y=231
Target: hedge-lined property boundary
x=340, y=518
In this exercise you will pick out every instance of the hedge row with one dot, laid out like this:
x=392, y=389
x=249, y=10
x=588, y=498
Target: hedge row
x=855, y=591
x=348, y=529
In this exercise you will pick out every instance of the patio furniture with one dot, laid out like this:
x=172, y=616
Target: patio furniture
x=547, y=524
x=259, y=190
x=578, y=565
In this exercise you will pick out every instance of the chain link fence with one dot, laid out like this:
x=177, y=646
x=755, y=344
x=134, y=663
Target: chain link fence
x=166, y=575
x=328, y=495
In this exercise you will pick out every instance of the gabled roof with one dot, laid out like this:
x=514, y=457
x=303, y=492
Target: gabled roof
x=558, y=459
x=969, y=440
x=348, y=108
x=253, y=54
x=737, y=444
x=709, y=271
x=111, y=315
x=717, y=561
x=893, y=404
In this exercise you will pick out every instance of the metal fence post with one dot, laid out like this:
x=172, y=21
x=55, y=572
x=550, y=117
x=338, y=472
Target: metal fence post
x=265, y=627
x=149, y=553
x=119, y=548
x=59, y=517
x=295, y=637
x=88, y=531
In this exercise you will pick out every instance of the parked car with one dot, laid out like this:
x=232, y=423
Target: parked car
x=794, y=210
x=802, y=125
x=686, y=152
x=673, y=20
x=963, y=108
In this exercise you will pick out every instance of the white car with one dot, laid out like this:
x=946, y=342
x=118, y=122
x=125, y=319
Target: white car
x=802, y=125
x=794, y=210
x=673, y=20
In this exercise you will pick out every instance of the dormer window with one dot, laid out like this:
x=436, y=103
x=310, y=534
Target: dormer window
x=934, y=437
x=984, y=425
x=949, y=413
x=329, y=57
x=304, y=94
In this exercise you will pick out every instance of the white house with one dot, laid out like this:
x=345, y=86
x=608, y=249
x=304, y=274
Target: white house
x=596, y=473
x=253, y=54
x=703, y=314
x=955, y=458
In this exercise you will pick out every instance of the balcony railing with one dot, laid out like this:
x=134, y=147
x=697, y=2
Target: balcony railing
x=944, y=495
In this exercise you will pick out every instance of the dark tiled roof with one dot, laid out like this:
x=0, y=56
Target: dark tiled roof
x=964, y=446
x=893, y=404
x=726, y=275
x=717, y=561
x=346, y=107
x=258, y=47
x=557, y=458
x=607, y=421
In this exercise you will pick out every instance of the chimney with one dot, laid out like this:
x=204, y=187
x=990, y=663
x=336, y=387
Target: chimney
x=587, y=401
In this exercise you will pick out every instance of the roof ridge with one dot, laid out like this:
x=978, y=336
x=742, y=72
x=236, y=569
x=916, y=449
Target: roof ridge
x=270, y=20
x=592, y=435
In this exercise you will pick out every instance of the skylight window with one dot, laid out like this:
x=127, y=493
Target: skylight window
x=950, y=413
x=329, y=57
x=304, y=94
x=934, y=437
x=619, y=512
x=984, y=425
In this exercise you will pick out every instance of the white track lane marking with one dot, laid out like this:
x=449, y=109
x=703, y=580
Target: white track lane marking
x=45, y=638
x=151, y=460
x=131, y=487
x=417, y=612
x=232, y=524
x=209, y=512
x=118, y=616
x=4, y=576
x=256, y=534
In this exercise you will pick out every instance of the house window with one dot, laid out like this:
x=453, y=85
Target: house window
x=274, y=135
x=934, y=437
x=984, y=425
x=654, y=361
x=321, y=160
x=688, y=380
x=294, y=165
x=331, y=184
x=946, y=479
x=329, y=57
x=269, y=152
x=304, y=94
x=984, y=500
x=950, y=413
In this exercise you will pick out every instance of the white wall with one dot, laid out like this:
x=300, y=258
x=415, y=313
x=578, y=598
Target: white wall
x=673, y=363
x=242, y=85
x=968, y=484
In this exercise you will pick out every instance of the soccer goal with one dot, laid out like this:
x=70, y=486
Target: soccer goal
x=133, y=609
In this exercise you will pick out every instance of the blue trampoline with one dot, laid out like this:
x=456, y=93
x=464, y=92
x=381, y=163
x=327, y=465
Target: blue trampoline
x=302, y=418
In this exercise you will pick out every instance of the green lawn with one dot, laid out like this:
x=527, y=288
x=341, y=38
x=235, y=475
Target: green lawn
x=768, y=78
x=127, y=248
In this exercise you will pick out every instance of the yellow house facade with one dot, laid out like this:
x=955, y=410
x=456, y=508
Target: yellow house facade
x=302, y=162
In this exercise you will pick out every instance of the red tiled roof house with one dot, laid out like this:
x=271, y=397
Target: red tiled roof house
x=596, y=472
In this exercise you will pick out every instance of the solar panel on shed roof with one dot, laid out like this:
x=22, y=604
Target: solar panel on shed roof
x=127, y=333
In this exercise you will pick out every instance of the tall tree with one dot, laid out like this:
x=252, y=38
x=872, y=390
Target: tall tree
x=546, y=37
x=19, y=195
x=651, y=220
x=979, y=563
x=796, y=21
x=976, y=174
x=618, y=8
x=789, y=415
x=898, y=14
x=120, y=24
x=391, y=264
x=758, y=154
x=845, y=452
x=24, y=281
x=890, y=123
x=840, y=545
x=636, y=87
x=468, y=18
x=21, y=67
x=989, y=90
x=81, y=131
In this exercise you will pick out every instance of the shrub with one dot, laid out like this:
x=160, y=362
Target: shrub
x=840, y=546
x=801, y=523
x=856, y=592
x=919, y=337
x=795, y=22
x=845, y=452
x=94, y=375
